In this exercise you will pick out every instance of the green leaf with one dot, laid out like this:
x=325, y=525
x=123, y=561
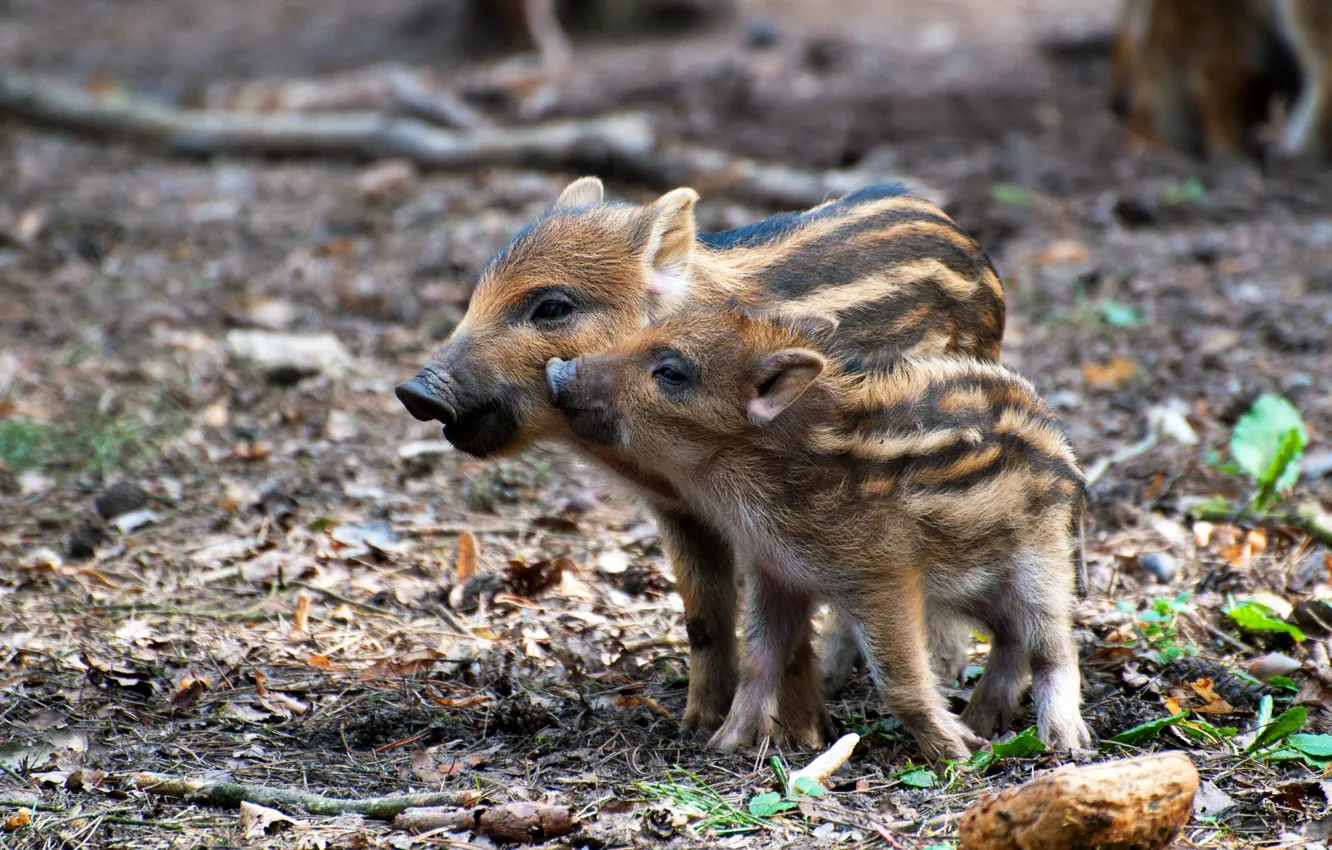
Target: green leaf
x=1318, y=746
x=809, y=786
x=1009, y=193
x=321, y=523
x=779, y=770
x=1201, y=730
x=1258, y=618
x=1292, y=445
x=769, y=804
x=1026, y=744
x=918, y=777
x=1149, y=731
x=1118, y=315
x=1264, y=711
x=1283, y=683
x=1260, y=440
x=1287, y=723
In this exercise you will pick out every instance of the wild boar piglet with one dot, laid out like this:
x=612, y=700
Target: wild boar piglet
x=935, y=482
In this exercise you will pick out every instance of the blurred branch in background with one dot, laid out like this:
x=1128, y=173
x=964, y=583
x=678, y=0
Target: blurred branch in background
x=622, y=145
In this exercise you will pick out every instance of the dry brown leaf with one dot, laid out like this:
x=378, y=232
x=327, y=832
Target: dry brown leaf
x=1113, y=375
x=465, y=702
x=423, y=767
x=187, y=693
x=300, y=618
x=259, y=820
x=628, y=701
x=320, y=661
x=1172, y=706
x=528, y=580
x=466, y=565
x=1063, y=251
x=18, y=820
x=1214, y=704
x=409, y=664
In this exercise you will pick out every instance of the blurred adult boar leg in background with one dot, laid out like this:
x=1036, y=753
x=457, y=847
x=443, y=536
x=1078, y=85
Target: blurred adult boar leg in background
x=890, y=274
x=1203, y=76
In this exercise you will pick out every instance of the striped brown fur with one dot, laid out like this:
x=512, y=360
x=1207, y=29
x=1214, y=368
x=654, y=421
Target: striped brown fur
x=1201, y=75
x=889, y=273
x=931, y=487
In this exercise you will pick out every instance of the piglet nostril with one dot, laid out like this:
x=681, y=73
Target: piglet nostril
x=558, y=375
x=421, y=403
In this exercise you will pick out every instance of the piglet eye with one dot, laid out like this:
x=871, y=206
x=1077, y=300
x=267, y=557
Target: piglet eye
x=548, y=311
x=667, y=375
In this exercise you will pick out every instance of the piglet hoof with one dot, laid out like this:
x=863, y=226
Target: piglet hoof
x=952, y=740
x=987, y=714
x=1068, y=735
x=701, y=720
x=742, y=729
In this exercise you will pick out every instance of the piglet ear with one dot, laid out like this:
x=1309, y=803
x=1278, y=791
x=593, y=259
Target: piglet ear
x=583, y=192
x=780, y=379
x=668, y=255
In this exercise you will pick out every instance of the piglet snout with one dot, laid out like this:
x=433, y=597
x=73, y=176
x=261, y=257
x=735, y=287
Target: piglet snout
x=559, y=374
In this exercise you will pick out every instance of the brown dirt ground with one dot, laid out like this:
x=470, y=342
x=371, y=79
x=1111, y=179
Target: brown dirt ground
x=121, y=274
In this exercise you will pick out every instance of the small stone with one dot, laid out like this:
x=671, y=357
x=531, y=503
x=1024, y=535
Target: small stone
x=134, y=520
x=283, y=357
x=1272, y=664
x=118, y=499
x=394, y=178
x=762, y=33
x=1163, y=566
x=1136, y=210
x=83, y=542
x=826, y=54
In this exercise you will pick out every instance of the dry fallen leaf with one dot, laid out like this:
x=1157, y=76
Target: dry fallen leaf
x=1063, y=251
x=300, y=618
x=1214, y=704
x=320, y=661
x=466, y=564
x=1113, y=375
x=18, y=820
x=260, y=820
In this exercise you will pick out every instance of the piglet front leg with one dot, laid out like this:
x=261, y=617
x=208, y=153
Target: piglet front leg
x=776, y=621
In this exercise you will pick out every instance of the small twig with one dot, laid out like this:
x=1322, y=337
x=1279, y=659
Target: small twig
x=254, y=612
x=413, y=97
x=1097, y=469
x=1222, y=636
x=1302, y=518
x=444, y=614
x=40, y=807
x=544, y=27
x=229, y=795
x=656, y=642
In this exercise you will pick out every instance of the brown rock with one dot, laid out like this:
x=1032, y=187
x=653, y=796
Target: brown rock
x=1126, y=804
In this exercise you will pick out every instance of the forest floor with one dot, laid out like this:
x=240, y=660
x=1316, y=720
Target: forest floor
x=211, y=570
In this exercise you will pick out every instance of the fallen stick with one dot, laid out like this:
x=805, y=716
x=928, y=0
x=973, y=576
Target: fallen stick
x=1305, y=519
x=624, y=145
x=413, y=97
x=348, y=134
x=825, y=765
x=229, y=795
x=534, y=822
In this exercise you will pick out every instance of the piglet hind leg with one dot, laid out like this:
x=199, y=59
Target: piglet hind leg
x=706, y=579
x=891, y=627
x=1032, y=623
x=776, y=622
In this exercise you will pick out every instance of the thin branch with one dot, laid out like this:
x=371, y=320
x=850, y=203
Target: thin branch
x=229, y=795
x=1305, y=519
x=624, y=146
